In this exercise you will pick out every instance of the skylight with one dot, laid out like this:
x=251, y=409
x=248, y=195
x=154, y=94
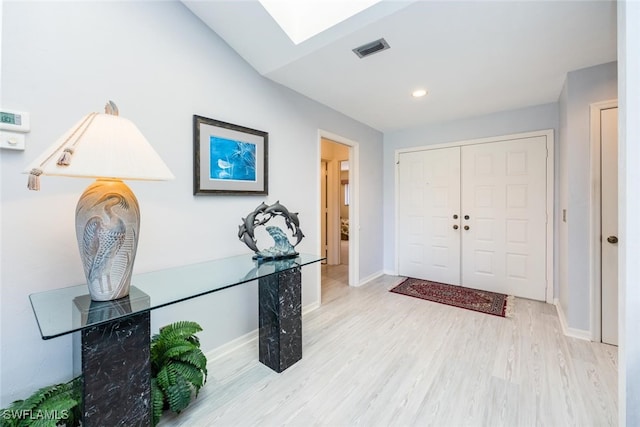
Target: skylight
x=303, y=19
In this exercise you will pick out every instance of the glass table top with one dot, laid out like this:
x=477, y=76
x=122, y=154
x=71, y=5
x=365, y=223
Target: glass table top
x=62, y=311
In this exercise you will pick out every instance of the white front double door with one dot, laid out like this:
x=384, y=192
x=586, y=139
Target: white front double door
x=475, y=215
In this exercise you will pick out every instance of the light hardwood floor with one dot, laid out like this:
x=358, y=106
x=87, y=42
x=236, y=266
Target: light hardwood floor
x=374, y=358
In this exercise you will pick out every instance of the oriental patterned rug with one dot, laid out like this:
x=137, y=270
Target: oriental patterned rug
x=458, y=296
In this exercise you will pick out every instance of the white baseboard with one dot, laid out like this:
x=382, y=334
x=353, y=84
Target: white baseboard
x=247, y=339
x=390, y=272
x=309, y=308
x=232, y=345
x=369, y=278
x=570, y=332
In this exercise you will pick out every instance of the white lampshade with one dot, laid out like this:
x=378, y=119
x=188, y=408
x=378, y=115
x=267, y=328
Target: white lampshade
x=103, y=146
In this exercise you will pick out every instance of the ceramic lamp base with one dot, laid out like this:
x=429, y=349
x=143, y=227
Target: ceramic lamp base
x=107, y=228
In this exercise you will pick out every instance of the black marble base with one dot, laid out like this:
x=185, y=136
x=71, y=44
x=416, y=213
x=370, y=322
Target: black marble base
x=280, y=319
x=117, y=373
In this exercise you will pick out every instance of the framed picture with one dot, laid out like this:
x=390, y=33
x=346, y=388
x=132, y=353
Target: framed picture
x=228, y=158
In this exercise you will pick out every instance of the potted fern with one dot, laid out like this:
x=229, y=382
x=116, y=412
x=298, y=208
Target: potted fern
x=178, y=367
x=178, y=371
x=51, y=406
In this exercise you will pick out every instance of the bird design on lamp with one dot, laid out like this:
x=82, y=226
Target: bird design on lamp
x=107, y=229
x=106, y=245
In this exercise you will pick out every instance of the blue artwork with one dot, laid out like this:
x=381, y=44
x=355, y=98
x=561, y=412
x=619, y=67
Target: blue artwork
x=232, y=160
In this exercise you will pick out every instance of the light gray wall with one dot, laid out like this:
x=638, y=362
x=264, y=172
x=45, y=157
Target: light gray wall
x=160, y=64
x=504, y=123
x=582, y=87
x=629, y=187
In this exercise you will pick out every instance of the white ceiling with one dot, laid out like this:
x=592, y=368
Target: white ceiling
x=474, y=57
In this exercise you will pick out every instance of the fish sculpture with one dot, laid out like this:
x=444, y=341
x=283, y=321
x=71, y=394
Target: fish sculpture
x=260, y=216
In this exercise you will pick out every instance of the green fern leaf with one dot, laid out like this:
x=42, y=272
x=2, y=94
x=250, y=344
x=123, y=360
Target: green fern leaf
x=59, y=403
x=157, y=402
x=179, y=395
x=165, y=378
x=194, y=340
x=40, y=395
x=191, y=374
x=183, y=329
x=195, y=358
x=178, y=350
x=41, y=422
x=172, y=341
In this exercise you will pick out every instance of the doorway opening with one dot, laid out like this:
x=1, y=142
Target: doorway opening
x=338, y=208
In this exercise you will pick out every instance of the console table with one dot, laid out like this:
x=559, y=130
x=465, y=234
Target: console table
x=115, y=335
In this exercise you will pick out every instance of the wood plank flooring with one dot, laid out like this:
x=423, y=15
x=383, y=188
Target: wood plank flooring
x=374, y=358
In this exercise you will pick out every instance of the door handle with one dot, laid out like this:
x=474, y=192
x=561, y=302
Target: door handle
x=455, y=216
x=466, y=217
x=466, y=227
x=612, y=239
x=455, y=227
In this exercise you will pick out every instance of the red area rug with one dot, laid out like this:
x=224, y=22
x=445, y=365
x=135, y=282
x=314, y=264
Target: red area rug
x=457, y=296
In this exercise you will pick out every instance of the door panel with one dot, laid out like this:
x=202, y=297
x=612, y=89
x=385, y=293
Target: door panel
x=609, y=224
x=429, y=196
x=504, y=197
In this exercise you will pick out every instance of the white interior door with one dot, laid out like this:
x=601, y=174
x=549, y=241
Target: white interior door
x=609, y=223
x=504, y=217
x=429, y=198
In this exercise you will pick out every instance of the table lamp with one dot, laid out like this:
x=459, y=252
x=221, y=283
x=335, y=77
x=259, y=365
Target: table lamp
x=109, y=148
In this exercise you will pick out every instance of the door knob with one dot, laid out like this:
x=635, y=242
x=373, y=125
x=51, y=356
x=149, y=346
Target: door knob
x=466, y=227
x=612, y=239
x=455, y=227
x=466, y=217
x=455, y=216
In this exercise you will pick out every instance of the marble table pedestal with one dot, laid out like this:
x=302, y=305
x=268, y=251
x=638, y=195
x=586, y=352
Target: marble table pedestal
x=117, y=373
x=280, y=319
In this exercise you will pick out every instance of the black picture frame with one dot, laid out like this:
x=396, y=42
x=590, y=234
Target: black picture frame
x=229, y=159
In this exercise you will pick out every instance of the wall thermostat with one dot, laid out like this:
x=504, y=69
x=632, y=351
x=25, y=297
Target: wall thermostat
x=15, y=121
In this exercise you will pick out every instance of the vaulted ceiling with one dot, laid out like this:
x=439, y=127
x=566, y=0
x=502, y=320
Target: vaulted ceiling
x=473, y=57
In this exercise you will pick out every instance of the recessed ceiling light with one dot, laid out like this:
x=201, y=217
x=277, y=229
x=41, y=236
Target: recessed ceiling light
x=419, y=93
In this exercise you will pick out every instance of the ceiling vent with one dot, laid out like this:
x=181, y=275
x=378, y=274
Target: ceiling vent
x=371, y=48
